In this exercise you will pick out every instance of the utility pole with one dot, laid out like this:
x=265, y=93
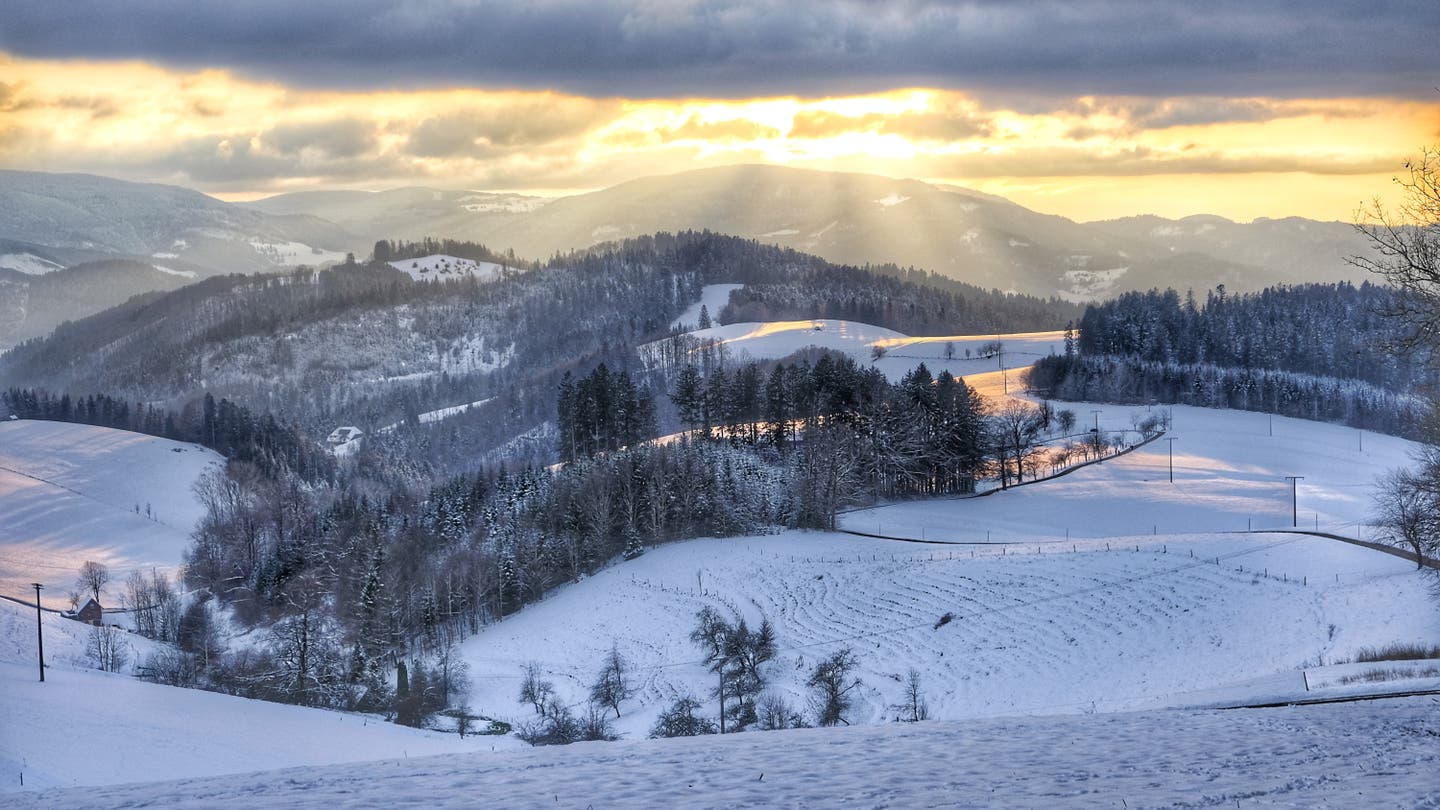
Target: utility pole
x=39, y=630
x=1172, y=459
x=1294, y=501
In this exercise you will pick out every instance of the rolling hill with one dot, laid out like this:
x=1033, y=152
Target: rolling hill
x=71, y=493
x=1119, y=637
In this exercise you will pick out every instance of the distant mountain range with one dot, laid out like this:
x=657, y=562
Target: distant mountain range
x=50, y=222
x=858, y=219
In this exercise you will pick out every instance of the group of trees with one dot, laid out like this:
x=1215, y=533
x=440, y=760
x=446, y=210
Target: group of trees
x=602, y=411
x=387, y=250
x=224, y=426
x=740, y=658
x=1131, y=379
x=556, y=723
x=907, y=301
x=1317, y=351
x=921, y=436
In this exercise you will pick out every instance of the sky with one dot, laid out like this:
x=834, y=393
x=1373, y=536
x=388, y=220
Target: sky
x=1090, y=110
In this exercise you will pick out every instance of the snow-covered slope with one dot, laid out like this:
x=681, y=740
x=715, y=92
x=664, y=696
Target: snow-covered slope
x=1361, y=755
x=961, y=355
x=713, y=297
x=28, y=263
x=71, y=493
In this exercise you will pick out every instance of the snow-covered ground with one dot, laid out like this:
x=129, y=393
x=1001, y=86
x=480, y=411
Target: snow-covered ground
x=438, y=415
x=71, y=493
x=713, y=297
x=961, y=355
x=85, y=727
x=296, y=253
x=1229, y=476
x=440, y=267
x=27, y=263
x=1362, y=755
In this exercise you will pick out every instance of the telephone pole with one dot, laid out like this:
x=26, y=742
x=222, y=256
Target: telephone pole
x=39, y=630
x=1172, y=459
x=1294, y=500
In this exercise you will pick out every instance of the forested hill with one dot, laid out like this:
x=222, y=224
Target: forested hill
x=1321, y=351
x=363, y=344
x=1329, y=330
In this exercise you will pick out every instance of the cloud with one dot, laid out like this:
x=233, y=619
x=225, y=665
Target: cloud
x=745, y=48
x=1139, y=160
x=344, y=138
x=507, y=125
x=950, y=124
x=12, y=98
x=732, y=129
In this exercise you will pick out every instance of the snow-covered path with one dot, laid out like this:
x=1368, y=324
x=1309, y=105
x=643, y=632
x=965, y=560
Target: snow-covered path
x=1381, y=754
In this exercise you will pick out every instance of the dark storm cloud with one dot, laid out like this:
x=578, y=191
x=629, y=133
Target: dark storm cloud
x=741, y=48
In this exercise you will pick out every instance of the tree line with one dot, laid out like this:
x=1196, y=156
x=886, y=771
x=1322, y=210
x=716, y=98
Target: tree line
x=223, y=426
x=1325, y=330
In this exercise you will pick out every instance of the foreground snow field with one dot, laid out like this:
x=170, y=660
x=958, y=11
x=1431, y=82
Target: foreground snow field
x=84, y=727
x=1380, y=754
x=71, y=493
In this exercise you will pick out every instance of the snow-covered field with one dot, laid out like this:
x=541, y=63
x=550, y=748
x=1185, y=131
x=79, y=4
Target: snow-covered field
x=27, y=263
x=85, y=727
x=1364, y=755
x=961, y=355
x=439, y=267
x=1229, y=476
x=71, y=493
x=296, y=253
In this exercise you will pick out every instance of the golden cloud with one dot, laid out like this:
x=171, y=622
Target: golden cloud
x=229, y=135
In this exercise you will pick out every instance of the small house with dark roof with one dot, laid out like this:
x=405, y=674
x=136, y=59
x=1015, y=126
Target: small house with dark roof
x=89, y=612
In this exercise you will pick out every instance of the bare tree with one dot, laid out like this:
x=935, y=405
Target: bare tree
x=1405, y=245
x=776, y=713
x=610, y=688
x=538, y=693
x=1408, y=511
x=92, y=578
x=680, y=720
x=1017, y=426
x=914, y=707
x=832, y=684
x=107, y=649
